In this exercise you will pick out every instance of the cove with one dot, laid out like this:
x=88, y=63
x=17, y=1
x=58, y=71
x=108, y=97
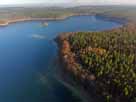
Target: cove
x=27, y=62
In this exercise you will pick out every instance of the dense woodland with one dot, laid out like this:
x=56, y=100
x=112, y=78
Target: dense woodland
x=111, y=57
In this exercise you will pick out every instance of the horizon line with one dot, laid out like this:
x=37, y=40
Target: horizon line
x=60, y=4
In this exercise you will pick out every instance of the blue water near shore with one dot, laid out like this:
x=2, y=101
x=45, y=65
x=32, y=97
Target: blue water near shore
x=27, y=61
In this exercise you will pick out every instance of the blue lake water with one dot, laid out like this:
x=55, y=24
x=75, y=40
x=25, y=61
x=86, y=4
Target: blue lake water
x=27, y=61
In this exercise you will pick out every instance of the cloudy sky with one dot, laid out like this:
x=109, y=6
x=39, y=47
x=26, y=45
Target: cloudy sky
x=93, y=2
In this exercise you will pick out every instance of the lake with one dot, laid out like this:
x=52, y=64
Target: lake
x=28, y=55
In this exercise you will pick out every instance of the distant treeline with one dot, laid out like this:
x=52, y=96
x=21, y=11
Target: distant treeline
x=127, y=12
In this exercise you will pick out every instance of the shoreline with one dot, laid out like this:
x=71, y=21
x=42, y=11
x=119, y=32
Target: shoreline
x=71, y=69
x=6, y=22
x=68, y=80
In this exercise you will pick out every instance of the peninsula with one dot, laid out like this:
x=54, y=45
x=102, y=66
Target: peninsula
x=103, y=62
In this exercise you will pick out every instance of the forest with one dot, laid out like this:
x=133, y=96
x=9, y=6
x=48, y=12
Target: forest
x=111, y=57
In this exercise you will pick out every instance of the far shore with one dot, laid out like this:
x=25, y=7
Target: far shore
x=10, y=21
x=6, y=22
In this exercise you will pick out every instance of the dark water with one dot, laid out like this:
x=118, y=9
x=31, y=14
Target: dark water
x=27, y=54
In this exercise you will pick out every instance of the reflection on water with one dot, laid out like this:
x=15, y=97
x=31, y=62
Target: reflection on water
x=38, y=36
x=93, y=19
x=53, y=89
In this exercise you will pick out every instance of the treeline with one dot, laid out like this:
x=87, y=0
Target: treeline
x=111, y=57
x=123, y=12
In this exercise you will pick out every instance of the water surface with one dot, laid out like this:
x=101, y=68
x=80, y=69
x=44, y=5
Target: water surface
x=27, y=55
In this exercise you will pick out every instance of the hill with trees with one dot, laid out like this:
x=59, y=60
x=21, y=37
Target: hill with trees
x=107, y=59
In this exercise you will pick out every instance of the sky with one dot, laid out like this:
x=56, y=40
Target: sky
x=92, y=2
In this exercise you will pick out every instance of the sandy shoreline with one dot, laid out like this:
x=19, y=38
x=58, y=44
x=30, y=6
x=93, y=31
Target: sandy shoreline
x=10, y=21
x=6, y=22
